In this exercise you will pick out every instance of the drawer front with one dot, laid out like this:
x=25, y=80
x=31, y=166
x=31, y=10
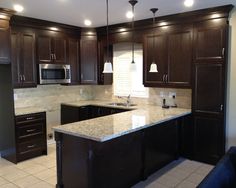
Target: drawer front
x=28, y=131
x=30, y=146
x=29, y=118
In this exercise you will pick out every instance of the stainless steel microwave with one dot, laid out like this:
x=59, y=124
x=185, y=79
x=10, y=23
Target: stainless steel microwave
x=54, y=74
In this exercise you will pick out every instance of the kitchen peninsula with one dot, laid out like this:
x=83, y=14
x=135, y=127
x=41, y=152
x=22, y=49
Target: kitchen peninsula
x=117, y=150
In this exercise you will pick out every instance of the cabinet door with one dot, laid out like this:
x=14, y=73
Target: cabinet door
x=15, y=59
x=161, y=145
x=209, y=142
x=73, y=59
x=155, y=50
x=210, y=40
x=28, y=59
x=209, y=88
x=179, y=58
x=59, y=50
x=44, y=49
x=5, y=55
x=88, y=61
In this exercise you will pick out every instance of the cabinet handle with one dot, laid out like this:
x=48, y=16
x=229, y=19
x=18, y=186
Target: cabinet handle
x=30, y=130
x=20, y=77
x=55, y=57
x=166, y=78
x=221, y=107
x=82, y=76
x=23, y=77
x=31, y=146
x=163, y=78
x=223, y=52
x=29, y=118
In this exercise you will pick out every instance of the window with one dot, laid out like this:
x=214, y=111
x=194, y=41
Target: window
x=126, y=81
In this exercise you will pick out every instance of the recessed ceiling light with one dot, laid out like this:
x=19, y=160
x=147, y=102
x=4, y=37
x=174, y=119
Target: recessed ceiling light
x=215, y=15
x=129, y=14
x=18, y=8
x=163, y=23
x=188, y=3
x=87, y=22
x=54, y=28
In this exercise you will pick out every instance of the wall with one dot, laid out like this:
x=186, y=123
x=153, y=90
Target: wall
x=231, y=90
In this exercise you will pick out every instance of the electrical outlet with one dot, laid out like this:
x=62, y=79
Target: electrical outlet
x=171, y=94
x=50, y=136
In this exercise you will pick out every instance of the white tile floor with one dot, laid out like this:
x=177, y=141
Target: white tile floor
x=40, y=172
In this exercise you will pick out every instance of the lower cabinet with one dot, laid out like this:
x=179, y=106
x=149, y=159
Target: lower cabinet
x=30, y=137
x=119, y=162
x=161, y=146
x=70, y=114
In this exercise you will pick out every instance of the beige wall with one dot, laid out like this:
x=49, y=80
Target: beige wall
x=231, y=91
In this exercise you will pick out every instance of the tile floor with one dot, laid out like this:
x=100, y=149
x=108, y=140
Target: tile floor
x=40, y=172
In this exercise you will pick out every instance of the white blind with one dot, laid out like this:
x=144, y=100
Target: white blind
x=126, y=81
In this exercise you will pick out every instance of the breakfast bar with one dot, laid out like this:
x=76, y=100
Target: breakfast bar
x=117, y=150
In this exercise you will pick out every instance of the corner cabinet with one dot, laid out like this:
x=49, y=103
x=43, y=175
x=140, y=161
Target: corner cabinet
x=88, y=60
x=210, y=52
x=23, y=58
x=171, y=49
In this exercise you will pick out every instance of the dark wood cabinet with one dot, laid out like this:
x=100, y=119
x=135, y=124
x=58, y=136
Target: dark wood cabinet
x=88, y=60
x=23, y=59
x=73, y=59
x=5, y=47
x=161, y=146
x=107, y=78
x=30, y=137
x=155, y=50
x=210, y=35
x=70, y=114
x=51, y=49
x=172, y=52
x=209, y=89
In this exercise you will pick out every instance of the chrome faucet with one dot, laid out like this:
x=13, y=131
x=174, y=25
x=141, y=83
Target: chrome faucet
x=128, y=99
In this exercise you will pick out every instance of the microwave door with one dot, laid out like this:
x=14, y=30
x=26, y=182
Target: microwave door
x=52, y=76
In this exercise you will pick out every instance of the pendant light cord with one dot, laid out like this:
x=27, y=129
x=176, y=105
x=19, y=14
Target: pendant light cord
x=107, y=34
x=133, y=34
x=153, y=40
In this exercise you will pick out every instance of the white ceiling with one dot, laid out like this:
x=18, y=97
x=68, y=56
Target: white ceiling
x=73, y=12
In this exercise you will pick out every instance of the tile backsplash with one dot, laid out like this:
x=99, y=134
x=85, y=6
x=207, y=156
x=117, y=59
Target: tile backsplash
x=50, y=97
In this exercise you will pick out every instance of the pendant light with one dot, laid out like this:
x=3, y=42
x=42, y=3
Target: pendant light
x=107, y=65
x=153, y=67
x=133, y=66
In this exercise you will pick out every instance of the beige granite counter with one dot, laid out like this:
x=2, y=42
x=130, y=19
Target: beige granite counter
x=108, y=127
x=28, y=110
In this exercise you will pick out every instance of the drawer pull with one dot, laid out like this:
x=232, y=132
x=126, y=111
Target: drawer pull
x=30, y=130
x=29, y=118
x=31, y=146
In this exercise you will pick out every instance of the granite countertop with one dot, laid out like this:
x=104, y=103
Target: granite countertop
x=108, y=127
x=28, y=110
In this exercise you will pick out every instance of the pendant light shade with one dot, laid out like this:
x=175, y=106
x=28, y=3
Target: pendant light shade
x=107, y=65
x=153, y=66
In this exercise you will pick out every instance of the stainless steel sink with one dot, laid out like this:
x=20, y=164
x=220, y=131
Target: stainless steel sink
x=121, y=104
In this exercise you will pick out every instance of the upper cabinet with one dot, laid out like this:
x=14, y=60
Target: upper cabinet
x=210, y=35
x=23, y=58
x=171, y=48
x=73, y=59
x=51, y=48
x=5, y=47
x=88, y=60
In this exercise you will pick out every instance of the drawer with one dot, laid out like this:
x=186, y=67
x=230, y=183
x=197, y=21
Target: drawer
x=30, y=146
x=29, y=118
x=29, y=130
